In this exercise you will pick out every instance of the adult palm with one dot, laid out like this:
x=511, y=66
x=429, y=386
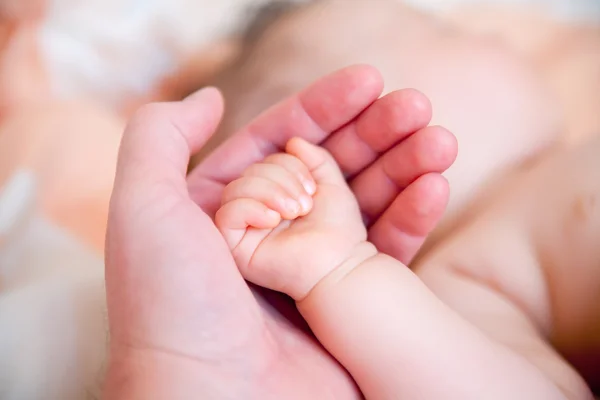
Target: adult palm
x=183, y=322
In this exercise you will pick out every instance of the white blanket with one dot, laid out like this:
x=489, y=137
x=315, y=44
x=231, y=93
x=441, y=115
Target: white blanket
x=112, y=49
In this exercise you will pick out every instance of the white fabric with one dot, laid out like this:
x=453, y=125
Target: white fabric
x=112, y=49
x=53, y=336
x=567, y=10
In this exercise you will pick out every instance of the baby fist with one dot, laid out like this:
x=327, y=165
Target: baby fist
x=291, y=219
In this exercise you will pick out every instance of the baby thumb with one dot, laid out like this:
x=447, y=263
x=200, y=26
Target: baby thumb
x=321, y=164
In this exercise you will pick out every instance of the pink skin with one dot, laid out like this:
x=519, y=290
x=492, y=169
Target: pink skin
x=294, y=226
x=343, y=113
x=182, y=319
x=291, y=249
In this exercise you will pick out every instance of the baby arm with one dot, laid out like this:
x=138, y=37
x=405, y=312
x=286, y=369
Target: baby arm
x=294, y=226
x=524, y=269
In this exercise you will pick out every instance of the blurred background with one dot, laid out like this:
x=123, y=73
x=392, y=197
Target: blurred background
x=72, y=72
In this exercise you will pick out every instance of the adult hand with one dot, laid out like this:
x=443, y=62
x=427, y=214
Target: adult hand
x=183, y=322
x=391, y=158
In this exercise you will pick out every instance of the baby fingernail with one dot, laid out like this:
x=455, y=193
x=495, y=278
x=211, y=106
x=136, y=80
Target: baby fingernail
x=305, y=203
x=309, y=186
x=272, y=214
x=292, y=206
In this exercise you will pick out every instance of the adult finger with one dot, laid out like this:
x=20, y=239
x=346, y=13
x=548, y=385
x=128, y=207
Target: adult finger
x=404, y=226
x=158, y=272
x=313, y=114
x=429, y=150
x=388, y=121
x=159, y=140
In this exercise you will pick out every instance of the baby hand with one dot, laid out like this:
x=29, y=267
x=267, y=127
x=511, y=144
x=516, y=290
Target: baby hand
x=291, y=219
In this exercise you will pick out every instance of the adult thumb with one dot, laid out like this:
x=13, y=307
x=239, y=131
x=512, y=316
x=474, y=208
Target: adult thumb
x=154, y=226
x=161, y=137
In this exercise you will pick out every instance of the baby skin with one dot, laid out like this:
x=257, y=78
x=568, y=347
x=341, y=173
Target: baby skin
x=294, y=226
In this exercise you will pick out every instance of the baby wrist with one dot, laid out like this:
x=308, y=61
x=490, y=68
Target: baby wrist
x=361, y=253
